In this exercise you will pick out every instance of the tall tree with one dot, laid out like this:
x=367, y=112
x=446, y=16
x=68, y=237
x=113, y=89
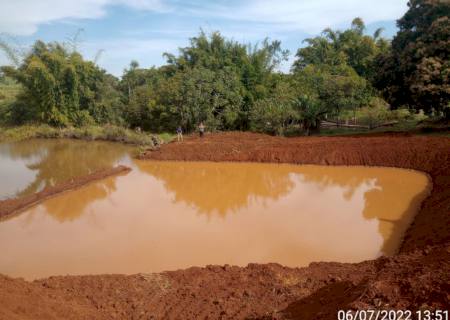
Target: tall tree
x=61, y=88
x=254, y=66
x=416, y=73
x=351, y=47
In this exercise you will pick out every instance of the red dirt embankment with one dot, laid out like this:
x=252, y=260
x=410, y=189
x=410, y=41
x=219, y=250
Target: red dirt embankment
x=10, y=207
x=418, y=277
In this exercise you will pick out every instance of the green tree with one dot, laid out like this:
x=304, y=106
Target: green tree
x=253, y=66
x=336, y=68
x=275, y=114
x=338, y=87
x=60, y=88
x=351, y=47
x=416, y=72
x=311, y=112
x=212, y=97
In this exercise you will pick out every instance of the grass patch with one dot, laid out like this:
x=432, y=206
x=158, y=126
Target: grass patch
x=166, y=137
x=412, y=126
x=105, y=133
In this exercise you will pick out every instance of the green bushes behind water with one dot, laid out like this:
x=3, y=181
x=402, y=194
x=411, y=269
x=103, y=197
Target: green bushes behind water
x=106, y=133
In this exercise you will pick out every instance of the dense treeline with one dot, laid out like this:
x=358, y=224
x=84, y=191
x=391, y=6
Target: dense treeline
x=230, y=85
x=416, y=71
x=61, y=89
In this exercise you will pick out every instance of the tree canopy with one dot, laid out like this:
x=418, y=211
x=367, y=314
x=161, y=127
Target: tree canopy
x=235, y=86
x=416, y=71
x=60, y=88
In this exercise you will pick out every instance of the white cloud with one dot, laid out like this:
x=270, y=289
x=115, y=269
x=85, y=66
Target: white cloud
x=119, y=52
x=22, y=17
x=243, y=20
x=309, y=16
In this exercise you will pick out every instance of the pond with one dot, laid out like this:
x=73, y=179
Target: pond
x=173, y=215
x=29, y=166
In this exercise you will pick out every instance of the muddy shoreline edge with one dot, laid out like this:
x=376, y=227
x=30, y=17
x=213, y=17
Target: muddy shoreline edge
x=11, y=207
x=418, y=277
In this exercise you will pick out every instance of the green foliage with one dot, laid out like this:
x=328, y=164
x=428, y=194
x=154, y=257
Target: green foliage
x=269, y=115
x=311, y=112
x=61, y=89
x=247, y=72
x=272, y=116
x=377, y=112
x=334, y=69
x=11, y=53
x=233, y=86
x=166, y=137
x=9, y=90
x=213, y=80
x=107, y=133
x=211, y=97
x=275, y=114
x=351, y=47
x=416, y=72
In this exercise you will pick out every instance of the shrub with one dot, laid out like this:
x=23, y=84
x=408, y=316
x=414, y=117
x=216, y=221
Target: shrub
x=272, y=116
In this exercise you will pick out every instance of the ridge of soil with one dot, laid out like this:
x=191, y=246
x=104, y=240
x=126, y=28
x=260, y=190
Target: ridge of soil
x=416, y=278
x=10, y=207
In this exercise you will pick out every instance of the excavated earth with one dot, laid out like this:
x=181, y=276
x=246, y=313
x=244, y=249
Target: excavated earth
x=418, y=277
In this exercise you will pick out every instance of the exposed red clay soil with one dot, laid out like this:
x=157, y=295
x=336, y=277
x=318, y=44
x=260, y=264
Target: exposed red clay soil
x=10, y=207
x=418, y=277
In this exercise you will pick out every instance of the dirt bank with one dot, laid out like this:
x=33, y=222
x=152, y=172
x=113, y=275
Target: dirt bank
x=255, y=292
x=418, y=277
x=10, y=207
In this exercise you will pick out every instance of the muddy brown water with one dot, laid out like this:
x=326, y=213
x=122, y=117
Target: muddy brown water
x=29, y=166
x=173, y=215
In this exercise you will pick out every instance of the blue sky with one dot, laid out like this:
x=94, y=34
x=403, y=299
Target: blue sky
x=144, y=29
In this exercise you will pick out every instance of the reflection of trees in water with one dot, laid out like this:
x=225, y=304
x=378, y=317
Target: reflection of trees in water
x=221, y=188
x=227, y=187
x=347, y=179
x=72, y=205
x=57, y=161
x=23, y=150
x=388, y=199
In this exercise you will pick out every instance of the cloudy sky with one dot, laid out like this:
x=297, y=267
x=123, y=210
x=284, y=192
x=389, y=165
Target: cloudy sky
x=144, y=29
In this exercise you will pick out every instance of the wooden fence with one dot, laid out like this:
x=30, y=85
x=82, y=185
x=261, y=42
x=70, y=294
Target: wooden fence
x=354, y=125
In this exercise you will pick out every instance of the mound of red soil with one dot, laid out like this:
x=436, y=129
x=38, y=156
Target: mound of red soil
x=10, y=207
x=417, y=278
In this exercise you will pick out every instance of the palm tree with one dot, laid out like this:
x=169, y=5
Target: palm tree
x=377, y=33
x=311, y=112
x=12, y=53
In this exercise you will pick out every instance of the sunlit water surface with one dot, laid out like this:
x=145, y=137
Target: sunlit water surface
x=172, y=215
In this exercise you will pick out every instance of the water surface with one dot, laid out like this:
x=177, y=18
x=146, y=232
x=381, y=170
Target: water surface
x=29, y=166
x=172, y=215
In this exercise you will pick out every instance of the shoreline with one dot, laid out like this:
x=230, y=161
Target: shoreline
x=11, y=207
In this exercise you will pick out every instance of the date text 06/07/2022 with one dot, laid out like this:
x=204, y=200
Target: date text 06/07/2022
x=392, y=315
